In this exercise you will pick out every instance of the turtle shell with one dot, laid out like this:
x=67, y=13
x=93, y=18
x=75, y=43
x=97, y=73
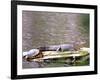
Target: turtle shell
x=33, y=52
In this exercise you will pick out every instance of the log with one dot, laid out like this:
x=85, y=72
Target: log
x=55, y=54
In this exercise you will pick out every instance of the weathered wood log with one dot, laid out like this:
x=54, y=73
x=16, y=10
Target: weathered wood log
x=54, y=54
x=58, y=54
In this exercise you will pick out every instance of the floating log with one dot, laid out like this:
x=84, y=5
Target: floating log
x=55, y=54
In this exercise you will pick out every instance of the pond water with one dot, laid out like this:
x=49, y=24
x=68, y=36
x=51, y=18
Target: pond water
x=53, y=28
